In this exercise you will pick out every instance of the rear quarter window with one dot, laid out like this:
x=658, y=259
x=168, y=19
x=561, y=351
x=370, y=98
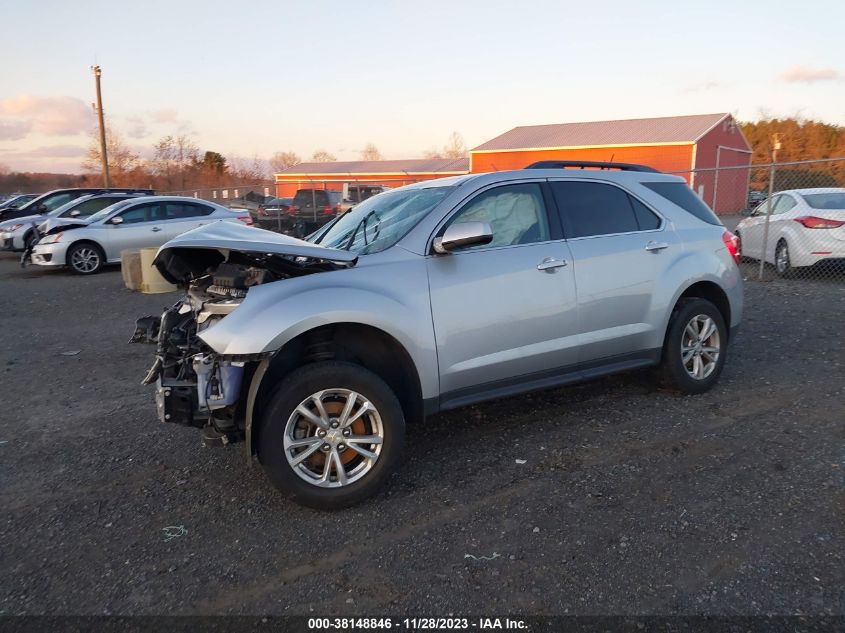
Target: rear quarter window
x=680, y=194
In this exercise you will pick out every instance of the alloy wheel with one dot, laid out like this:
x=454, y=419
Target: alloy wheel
x=85, y=259
x=700, y=346
x=333, y=438
x=782, y=258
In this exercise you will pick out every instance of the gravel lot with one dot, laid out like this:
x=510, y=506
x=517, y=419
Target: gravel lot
x=631, y=500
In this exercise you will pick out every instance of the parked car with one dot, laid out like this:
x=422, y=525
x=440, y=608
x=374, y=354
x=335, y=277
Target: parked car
x=807, y=226
x=17, y=200
x=313, y=208
x=356, y=193
x=54, y=199
x=755, y=197
x=433, y=296
x=86, y=246
x=274, y=213
x=22, y=233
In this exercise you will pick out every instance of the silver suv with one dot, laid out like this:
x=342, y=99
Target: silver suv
x=432, y=296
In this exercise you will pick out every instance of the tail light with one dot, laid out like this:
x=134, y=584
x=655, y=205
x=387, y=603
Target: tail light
x=246, y=219
x=732, y=244
x=337, y=208
x=262, y=211
x=290, y=210
x=812, y=222
x=327, y=209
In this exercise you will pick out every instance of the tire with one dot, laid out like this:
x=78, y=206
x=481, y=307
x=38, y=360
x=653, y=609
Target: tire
x=783, y=265
x=678, y=366
x=282, y=424
x=85, y=258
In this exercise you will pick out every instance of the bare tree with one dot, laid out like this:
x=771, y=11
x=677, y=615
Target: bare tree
x=432, y=153
x=173, y=159
x=455, y=148
x=370, y=152
x=124, y=164
x=322, y=156
x=282, y=160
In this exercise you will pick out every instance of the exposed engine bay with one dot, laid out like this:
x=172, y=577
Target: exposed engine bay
x=194, y=385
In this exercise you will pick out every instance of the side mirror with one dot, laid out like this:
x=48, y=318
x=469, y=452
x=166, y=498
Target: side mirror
x=116, y=220
x=463, y=234
x=74, y=213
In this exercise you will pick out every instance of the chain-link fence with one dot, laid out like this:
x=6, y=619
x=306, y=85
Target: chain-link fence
x=789, y=216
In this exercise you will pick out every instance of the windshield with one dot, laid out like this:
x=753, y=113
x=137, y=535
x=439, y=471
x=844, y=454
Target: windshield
x=826, y=200
x=381, y=221
x=104, y=213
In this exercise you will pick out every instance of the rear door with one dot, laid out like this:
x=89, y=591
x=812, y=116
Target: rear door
x=620, y=247
x=504, y=313
x=184, y=216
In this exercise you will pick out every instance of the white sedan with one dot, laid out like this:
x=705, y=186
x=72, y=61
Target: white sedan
x=807, y=226
x=86, y=246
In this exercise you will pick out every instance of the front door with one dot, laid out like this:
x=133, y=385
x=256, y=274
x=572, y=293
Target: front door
x=143, y=226
x=504, y=312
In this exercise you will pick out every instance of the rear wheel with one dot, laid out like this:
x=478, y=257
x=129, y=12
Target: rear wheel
x=331, y=435
x=85, y=258
x=695, y=346
x=783, y=265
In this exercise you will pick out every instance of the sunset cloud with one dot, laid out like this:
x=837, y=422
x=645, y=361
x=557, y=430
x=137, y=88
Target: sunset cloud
x=810, y=75
x=51, y=116
x=136, y=127
x=168, y=115
x=47, y=158
x=14, y=130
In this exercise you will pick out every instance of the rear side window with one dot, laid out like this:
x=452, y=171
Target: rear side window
x=307, y=198
x=593, y=208
x=181, y=210
x=680, y=194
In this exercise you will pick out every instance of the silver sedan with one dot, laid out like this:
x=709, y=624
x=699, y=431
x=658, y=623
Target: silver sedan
x=86, y=246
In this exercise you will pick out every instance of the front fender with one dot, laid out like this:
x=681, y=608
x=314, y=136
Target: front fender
x=395, y=302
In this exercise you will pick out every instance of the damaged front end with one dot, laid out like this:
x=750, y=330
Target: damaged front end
x=217, y=265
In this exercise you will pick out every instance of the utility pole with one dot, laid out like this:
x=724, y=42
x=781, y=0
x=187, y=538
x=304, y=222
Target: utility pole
x=775, y=147
x=103, y=155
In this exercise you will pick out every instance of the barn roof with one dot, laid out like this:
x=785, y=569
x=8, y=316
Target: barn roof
x=372, y=167
x=655, y=131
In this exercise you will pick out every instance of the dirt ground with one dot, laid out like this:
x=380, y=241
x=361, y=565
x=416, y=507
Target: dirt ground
x=631, y=500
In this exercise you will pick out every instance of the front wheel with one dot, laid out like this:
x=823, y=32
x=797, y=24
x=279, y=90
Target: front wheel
x=331, y=435
x=85, y=258
x=695, y=346
x=783, y=264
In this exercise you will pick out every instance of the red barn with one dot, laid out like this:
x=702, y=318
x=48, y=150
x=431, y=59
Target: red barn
x=678, y=144
x=392, y=173
x=669, y=144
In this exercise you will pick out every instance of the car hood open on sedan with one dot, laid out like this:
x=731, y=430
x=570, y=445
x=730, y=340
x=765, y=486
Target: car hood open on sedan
x=195, y=252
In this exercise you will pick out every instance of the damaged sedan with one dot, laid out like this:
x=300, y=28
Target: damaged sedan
x=315, y=353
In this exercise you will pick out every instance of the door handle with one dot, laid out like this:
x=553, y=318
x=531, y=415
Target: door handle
x=656, y=246
x=156, y=229
x=550, y=263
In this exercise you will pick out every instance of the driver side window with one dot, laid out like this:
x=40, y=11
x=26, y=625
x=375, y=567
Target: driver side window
x=516, y=213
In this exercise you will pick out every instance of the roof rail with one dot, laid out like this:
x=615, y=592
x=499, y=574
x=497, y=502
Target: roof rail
x=588, y=164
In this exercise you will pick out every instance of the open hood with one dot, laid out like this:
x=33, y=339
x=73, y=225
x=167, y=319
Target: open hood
x=196, y=252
